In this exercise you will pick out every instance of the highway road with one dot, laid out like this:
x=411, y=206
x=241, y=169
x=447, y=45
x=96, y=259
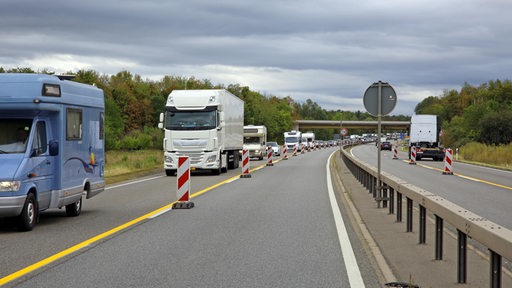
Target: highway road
x=484, y=191
x=280, y=228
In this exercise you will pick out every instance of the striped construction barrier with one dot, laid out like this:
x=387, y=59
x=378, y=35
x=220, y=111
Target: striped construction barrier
x=183, y=180
x=412, y=161
x=245, y=164
x=395, y=151
x=294, y=150
x=448, y=162
x=285, y=153
x=269, y=156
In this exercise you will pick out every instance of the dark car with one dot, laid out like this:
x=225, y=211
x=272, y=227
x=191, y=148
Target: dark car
x=385, y=146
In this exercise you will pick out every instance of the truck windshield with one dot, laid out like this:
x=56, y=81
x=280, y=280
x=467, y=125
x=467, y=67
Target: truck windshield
x=291, y=139
x=191, y=120
x=14, y=136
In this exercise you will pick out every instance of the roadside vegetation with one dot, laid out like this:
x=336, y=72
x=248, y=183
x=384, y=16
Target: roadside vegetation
x=476, y=119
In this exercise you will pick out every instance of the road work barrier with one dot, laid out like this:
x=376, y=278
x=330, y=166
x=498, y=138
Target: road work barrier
x=448, y=162
x=412, y=161
x=395, y=151
x=294, y=150
x=496, y=238
x=269, y=156
x=245, y=164
x=183, y=180
x=285, y=153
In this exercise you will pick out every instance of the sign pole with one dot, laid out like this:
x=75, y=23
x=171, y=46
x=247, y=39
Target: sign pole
x=379, y=129
x=379, y=99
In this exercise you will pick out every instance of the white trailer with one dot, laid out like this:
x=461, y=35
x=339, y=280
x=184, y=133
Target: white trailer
x=255, y=140
x=424, y=135
x=205, y=125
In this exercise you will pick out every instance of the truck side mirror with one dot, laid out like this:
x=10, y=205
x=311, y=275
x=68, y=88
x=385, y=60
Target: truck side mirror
x=161, y=119
x=54, y=148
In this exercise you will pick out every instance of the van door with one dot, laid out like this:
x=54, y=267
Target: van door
x=43, y=165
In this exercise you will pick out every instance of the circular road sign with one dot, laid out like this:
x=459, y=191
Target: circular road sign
x=344, y=131
x=387, y=95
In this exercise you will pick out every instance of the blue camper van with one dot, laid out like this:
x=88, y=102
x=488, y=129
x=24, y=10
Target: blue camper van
x=51, y=145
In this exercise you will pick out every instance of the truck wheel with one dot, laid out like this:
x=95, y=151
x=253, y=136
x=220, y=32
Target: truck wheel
x=28, y=217
x=74, y=209
x=170, y=172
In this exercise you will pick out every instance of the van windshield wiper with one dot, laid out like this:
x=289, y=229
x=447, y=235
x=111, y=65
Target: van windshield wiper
x=3, y=152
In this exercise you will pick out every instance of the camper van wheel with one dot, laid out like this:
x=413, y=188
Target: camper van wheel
x=28, y=216
x=74, y=209
x=170, y=172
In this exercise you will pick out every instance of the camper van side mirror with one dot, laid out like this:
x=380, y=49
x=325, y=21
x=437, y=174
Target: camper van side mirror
x=54, y=148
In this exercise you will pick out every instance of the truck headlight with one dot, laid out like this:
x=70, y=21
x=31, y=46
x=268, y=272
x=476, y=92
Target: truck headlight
x=9, y=186
x=168, y=159
x=211, y=159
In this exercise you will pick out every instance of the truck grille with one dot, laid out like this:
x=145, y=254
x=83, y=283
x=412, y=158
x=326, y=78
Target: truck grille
x=195, y=157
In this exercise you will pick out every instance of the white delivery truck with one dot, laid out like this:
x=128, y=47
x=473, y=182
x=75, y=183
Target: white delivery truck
x=255, y=140
x=292, y=139
x=310, y=136
x=424, y=135
x=51, y=145
x=205, y=125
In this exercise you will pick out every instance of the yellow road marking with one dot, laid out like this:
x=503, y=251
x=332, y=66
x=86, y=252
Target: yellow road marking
x=465, y=177
x=103, y=235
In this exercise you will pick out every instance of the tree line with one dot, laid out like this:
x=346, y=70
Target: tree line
x=133, y=106
x=480, y=114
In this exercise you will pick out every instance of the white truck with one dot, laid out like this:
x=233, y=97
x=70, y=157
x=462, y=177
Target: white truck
x=255, y=140
x=310, y=136
x=424, y=135
x=292, y=139
x=205, y=125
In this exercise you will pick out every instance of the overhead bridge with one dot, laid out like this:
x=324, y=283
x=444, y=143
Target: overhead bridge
x=303, y=125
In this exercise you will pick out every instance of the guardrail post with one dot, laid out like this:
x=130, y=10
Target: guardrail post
x=391, y=200
x=495, y=269
x=462, y=257
x=423, y=224
x=439, y=238
x=398, y=207
x=409, y=214
x=384, y=196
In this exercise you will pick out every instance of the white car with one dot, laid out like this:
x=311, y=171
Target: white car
x=276, y=149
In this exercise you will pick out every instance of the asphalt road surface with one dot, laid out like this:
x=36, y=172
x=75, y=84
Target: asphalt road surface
x=280, y=228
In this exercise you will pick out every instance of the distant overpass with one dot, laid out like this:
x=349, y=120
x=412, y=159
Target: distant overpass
x=303, y=125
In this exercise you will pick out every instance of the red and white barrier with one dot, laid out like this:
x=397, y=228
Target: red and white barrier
x=302, y=150
x=448, y=162
x=395, y=151
x=412, y=161
x=245, y=164
x=285, y=153
x=183, y=180
x=269, y=156
x=294, y=150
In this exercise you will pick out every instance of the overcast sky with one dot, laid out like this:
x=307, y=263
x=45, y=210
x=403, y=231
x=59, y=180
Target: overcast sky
x=325, y=50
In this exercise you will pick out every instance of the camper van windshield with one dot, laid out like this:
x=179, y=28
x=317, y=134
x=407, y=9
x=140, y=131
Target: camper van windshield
x=14, y=136
x=252, y=140
x=191, y=120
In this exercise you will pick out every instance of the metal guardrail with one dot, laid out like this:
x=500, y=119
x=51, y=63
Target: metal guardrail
x=496, y=238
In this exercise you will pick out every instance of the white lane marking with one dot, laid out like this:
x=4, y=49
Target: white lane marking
x=160, y=213
x=133, y=182
x=353, y=272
